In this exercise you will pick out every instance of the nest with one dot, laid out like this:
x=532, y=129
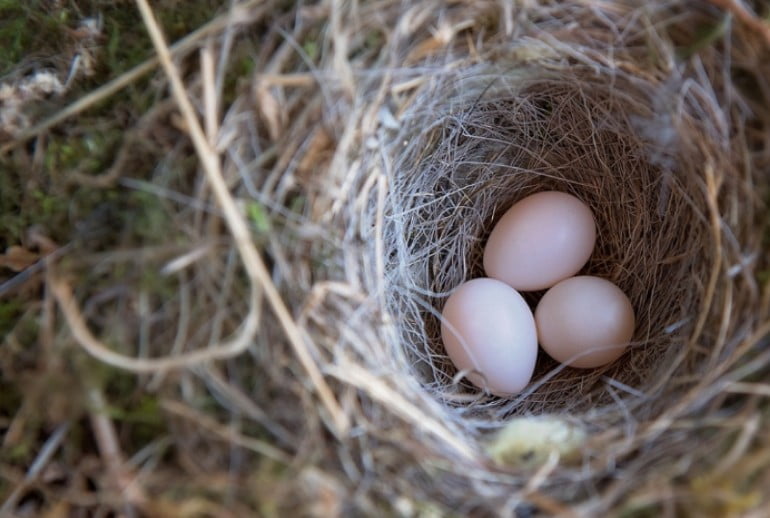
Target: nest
x=375, y=174
x=669, y=154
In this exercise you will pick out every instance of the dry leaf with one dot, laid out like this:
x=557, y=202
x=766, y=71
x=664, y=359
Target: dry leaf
x=18, y=258
x=270, y=109
x=318, y=153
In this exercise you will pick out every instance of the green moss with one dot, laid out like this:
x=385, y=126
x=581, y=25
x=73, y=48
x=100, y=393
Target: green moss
x=25, y=326
x=127, y=42
x=311, y=49
x=125, y=48
x=160, y=287
x=10, y=311
x=89, y=152
x=259, y=217
x=146, y=410
x=36, y=189
x=11, y=222
x=148, y=216
x=138, y=413
x=297, y=204
x=18, y=453
x=31, y=29
x=240, y=71
x=10, y=398
x=43, y=196
x=180, y=18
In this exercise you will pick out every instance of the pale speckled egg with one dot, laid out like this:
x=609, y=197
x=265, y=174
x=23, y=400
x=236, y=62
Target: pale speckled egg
x=540, y=240
x=489, y=329
x=585, y=322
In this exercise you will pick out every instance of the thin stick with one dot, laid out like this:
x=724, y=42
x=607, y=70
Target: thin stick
x=63, y=293
x=380, y=391
x=109, y=448
x=41, y=461
x=253, y=263
x=209, y=95
x=757, y=389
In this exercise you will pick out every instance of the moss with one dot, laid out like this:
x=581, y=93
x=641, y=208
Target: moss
x=32, y=29
x=19, y=453
x=179, y=18
x=88, y=152
x=32, y=196
x=94, y=216
x=10, y=398
x=141, y=417
x=138, y=413
x=10, y=311
x=161, y=287
x=240, y=71
x=36, y=189
x=12, y=223
x=374, y=40
x=150, y=218
x=128, y=44
x=311, y=49
x=259, y=217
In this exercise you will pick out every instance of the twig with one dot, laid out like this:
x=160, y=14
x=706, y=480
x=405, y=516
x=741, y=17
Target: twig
x=210, y=105
x=40, y=462
x=378, y=390
x=28, y=273
x=253, y=263
x=757, y=389
x=69, y=307
x=109, y=448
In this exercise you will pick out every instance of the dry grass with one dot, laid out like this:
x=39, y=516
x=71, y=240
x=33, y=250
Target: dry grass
x=288, y=342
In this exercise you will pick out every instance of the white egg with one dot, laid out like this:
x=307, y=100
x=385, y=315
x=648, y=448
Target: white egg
x=585, y=322
x=488, y=328
x=540, y=240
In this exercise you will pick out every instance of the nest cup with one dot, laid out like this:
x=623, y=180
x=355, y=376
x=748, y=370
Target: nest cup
x=657, y=174
x=667, y=152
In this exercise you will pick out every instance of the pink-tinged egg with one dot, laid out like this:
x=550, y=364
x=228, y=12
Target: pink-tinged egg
x=585, y=322
x=488, y=328
x=540, y=240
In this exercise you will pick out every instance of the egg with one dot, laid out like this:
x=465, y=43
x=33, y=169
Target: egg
x=539, y=241
x=488, y=329
x=585, y=322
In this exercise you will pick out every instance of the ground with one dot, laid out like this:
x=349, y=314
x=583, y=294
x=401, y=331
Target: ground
x=60, y=195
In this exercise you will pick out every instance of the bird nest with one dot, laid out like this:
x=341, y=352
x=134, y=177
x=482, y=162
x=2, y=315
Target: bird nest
x=372, y=165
